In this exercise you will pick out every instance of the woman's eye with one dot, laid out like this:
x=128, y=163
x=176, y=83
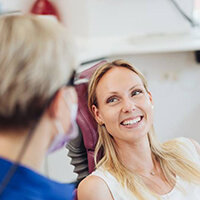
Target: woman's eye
x=136, y=92
x=110, y=100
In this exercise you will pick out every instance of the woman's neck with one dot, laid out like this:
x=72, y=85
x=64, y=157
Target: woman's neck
x=137, y=156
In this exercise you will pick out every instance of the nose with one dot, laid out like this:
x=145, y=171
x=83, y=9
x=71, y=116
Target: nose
x=128, y=105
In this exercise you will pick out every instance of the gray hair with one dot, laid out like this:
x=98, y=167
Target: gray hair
x=35, y=61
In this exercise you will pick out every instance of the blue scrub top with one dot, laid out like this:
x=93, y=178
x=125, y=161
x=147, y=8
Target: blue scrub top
x=27, y=184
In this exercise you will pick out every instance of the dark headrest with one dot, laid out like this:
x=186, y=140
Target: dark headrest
x=81, y=149
x=85, y=120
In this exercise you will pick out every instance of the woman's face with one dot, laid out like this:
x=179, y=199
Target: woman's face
x=124, y=106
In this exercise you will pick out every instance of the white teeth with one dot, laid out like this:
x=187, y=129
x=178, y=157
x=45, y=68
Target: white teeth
x=133, y=121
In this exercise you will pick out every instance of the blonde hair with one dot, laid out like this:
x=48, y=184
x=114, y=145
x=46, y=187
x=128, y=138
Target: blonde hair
x=35, y=61
x=171, y=155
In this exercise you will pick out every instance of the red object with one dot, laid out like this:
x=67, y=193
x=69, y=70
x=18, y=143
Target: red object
x=44, y=7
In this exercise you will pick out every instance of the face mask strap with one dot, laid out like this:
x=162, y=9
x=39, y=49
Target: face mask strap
x=59, y=127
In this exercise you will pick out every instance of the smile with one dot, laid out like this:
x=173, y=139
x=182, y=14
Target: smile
x=132, y=121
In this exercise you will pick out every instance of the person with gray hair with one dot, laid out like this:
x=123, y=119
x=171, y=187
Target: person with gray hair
x=37, y=105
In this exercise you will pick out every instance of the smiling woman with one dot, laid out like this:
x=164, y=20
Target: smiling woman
x=119, y=92
x=135, y=165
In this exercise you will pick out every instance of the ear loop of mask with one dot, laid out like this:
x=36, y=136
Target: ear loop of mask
x=59, y=127
x=7, y=178
x=58, y=138
x=74, y=130
x=65, y=136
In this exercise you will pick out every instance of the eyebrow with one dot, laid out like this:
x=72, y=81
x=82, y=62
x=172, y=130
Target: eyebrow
x=129, y=89
x=135, y=86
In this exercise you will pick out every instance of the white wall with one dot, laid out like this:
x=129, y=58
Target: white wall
x=22, y=5
x=59, y=167
x=116, y=18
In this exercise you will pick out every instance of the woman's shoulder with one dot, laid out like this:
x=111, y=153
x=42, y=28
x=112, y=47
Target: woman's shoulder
x=189, y=147
x=181, y=141
x=194, y=145
x=93, y=183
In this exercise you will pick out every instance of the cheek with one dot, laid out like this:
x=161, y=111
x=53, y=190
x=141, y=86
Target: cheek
x=110, y=119
x=149, y=112
x=146, y=106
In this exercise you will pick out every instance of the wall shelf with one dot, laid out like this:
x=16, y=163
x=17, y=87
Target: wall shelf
x=94, y=48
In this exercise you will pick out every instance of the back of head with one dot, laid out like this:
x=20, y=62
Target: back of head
x=35, y=62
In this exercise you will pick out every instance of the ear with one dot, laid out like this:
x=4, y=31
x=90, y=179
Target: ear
x=97, y=115
x=150, y=97
x=56, y=106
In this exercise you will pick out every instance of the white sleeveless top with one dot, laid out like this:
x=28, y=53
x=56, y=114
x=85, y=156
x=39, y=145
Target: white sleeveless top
x=191, y=191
